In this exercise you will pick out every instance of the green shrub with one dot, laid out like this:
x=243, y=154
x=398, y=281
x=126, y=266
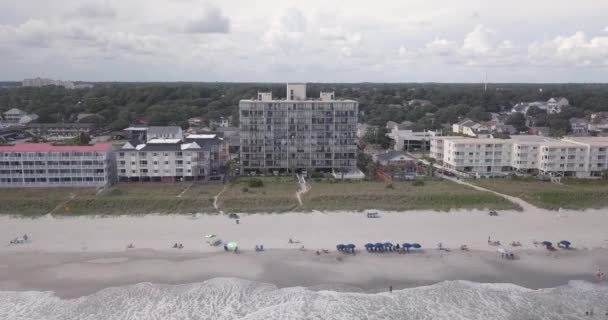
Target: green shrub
x=390, y=186
x=245, y=189
x=255, y=183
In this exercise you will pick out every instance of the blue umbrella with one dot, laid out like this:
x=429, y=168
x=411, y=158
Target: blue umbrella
x=547, y=243
x=379, y=246
x=407, y=246
x=340, y=247
x=369, y=246
x=350, y=247
x=565, y=243
x=416, y=246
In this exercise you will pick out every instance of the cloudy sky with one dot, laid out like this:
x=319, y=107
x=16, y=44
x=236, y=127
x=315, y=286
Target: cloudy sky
x=312, y=40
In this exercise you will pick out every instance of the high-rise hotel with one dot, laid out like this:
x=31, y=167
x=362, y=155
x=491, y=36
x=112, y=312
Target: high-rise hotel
x=298, y=133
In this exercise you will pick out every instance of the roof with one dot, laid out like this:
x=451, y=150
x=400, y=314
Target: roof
x=594, y=141
x=578, y=121
x=387, y=156
x=164, y=130
x=15, y=110
x=64, y=125
x=201, y=136
x=466, y=122
x=136, y=129
x=47, y=147
x=205, y=143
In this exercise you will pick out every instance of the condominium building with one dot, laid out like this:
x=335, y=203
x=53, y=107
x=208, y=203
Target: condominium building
x=44, y=165
x=197, y=157
x=525, y=154
x=298, y=133
x=477, y=156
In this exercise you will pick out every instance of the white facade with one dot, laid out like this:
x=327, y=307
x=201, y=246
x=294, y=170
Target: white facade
x=328, y=96
x=555, y=105
x=573, y=156
x=14, y=115
x=406, y=138
x=296, y=91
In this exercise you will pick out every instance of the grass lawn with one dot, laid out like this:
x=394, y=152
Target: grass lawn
x=136, y=198
x=276, y=195
x=434, y=195
x=571, y=194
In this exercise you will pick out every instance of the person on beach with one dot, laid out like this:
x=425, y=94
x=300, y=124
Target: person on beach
x=390, y=289
x=599, y=275
x=175, y=246
x=25, y=237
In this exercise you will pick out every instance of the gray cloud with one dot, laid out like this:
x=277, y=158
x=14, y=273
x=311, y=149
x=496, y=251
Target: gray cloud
x=95, y=10
x=211, y=20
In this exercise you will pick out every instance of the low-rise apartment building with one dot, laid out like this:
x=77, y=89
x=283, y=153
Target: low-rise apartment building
x=198, y=157
x=45, y=165
x=524, y=154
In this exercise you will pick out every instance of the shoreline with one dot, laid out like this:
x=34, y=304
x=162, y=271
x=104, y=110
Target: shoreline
x=76, y=256
x=73, y=275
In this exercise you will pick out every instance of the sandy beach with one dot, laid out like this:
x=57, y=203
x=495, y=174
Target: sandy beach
x=81, y=255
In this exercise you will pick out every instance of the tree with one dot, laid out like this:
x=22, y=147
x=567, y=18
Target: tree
x=82, y=139
x=517, y=120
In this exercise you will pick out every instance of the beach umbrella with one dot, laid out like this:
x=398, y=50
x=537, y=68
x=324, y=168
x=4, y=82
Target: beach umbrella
x=369, y=246
x=565, y=243
x=232, y=245
x=407, y=246
x=416, y=246
x=379, y=246
x=388, y=244
x=547, y=243
x=340, y=247
x=350, y=247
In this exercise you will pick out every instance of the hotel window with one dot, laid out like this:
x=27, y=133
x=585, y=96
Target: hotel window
x=155, y=154
x=142, y=154
x=121, y=154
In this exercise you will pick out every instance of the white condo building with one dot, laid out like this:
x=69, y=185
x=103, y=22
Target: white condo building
x=572, y=156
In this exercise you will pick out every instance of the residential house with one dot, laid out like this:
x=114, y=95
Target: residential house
x=404, y=164
x=223, y=122
x=579, y=126
x=470, y=128
x=410, y=140
x=555, y=104
x=17, y=116
x=195, y=121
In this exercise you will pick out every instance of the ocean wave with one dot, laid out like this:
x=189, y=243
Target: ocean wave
x=230, y=298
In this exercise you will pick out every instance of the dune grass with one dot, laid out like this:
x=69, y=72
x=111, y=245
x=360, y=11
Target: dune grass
x=119, y=199
x=570, y=194
x=276, y=195
x=399, y=196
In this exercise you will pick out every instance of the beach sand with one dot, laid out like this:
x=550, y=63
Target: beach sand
x=75, y=256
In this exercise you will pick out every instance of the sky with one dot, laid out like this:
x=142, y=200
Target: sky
x=312, y=40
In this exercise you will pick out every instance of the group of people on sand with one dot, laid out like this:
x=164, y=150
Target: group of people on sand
x=20, y=240
x=178, y=246
x=322, y=251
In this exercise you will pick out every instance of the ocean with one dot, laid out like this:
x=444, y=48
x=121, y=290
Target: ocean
x=230, y=298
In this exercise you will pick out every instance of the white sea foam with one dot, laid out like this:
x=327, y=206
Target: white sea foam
x=229, y=298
